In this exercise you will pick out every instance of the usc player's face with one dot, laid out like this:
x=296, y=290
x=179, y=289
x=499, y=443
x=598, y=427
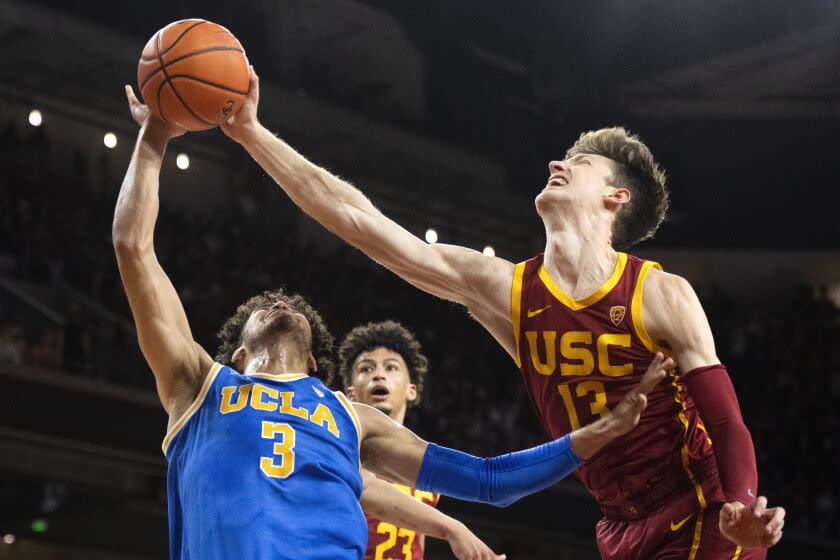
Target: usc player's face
x=581, y=182
x=380, y=379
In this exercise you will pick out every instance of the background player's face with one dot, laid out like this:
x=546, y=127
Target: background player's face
x=381, y=380
x=579, y=184
x=277, y=324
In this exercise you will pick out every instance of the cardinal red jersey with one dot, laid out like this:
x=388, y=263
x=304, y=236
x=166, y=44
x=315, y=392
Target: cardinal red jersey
x=579, y=358
x=387, y=541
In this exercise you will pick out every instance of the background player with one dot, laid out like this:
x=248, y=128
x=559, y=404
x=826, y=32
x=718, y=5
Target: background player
x=607, y=193
x=265, y=464
x=382, y=365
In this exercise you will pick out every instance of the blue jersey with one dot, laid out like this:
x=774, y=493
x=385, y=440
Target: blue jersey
x=265, y=466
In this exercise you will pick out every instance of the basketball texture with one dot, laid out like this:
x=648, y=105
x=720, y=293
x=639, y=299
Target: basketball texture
x=193, y=73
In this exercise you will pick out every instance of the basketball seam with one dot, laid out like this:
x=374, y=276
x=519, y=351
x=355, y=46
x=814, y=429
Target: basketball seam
x=170, y=63
x=169, y=48
x=193, y=78
x=163, y=83
x=175, y=91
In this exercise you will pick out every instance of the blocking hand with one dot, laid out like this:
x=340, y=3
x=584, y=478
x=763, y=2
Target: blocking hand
x=245, y=120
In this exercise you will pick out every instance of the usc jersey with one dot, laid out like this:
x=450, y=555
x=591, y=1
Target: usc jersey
x=386, y=541
x=578, y=359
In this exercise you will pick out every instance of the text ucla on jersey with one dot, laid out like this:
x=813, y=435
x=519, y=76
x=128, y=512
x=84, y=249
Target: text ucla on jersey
x=265, y=466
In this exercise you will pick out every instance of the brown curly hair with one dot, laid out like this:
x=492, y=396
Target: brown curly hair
x=637, y=171
x=390, y=335
x=230, y=335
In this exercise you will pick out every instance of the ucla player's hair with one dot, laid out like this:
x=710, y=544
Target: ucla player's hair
x=390, y=335
x=323, y=342
x=637, y=171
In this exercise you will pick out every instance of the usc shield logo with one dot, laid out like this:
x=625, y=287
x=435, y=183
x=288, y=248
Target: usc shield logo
x=617, y=314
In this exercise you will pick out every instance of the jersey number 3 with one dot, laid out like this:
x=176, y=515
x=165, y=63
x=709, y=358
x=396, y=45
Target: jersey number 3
x=283, y=449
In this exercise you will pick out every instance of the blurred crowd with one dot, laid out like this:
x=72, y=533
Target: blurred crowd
x=63, y=310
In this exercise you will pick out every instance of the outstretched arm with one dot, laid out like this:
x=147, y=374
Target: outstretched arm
x=395, y=453
x=163, y=332
x=382, y=500
x=454, y=273
x=674, y=317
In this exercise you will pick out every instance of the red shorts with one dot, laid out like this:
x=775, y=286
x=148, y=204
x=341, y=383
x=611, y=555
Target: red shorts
x=682, y=530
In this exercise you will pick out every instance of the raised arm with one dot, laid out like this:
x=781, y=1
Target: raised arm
x=675, y=319
x=163, y=332
x=382, y=500
x=395, y=453
x=454, y=273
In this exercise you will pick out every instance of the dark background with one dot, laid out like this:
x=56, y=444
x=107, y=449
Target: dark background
x=446, y=114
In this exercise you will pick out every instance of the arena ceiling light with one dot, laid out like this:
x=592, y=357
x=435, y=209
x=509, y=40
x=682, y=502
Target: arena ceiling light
x=431, y=236
x=489, y=251
x=182, y=161
x=35, y=117
x=110, y=140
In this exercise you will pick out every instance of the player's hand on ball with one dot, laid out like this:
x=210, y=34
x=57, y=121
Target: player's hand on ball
x=626, y=414
x=143, y=116
x=752, y=526
x=466, y=546
x=245, y=120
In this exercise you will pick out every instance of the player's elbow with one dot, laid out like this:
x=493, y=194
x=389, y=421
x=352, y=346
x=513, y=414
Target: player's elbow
x=126, y=244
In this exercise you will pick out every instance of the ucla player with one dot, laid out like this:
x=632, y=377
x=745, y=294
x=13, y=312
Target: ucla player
x=265, y=461
x=382, y=365
x=582, y=321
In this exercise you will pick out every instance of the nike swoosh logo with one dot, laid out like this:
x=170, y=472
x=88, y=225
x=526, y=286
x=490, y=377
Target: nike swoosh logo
x=537, y=312
x=676, y=526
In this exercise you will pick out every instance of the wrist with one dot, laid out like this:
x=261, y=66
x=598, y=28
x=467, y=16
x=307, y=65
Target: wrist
x=450, y=528
x=154, y=134
x=249, y=132
x=587, y=441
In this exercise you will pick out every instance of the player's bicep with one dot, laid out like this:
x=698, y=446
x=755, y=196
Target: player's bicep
x=388, y=449
x=163, y=331
x=674, y=315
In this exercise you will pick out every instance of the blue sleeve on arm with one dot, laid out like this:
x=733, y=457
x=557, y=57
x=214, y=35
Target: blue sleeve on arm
x=499, y=480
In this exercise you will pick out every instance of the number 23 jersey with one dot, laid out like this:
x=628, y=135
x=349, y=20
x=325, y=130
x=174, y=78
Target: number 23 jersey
x=265, y=466
x=579, y=358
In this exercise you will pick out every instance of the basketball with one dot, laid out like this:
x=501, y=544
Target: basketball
x=193, y=73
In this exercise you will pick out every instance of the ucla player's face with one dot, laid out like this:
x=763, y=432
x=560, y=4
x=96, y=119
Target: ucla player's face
x=269, y=323
x=381, y=380
x=583, y=181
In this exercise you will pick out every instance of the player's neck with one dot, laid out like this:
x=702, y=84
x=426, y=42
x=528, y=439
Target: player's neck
x=277, y=359
x=578, y=256
x=398, y=416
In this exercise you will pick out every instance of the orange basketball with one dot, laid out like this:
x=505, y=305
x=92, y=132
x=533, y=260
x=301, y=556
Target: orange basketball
x=193, y=73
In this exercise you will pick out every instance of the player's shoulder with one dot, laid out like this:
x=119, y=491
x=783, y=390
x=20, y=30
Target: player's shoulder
x=668, y=286
x=667, y=295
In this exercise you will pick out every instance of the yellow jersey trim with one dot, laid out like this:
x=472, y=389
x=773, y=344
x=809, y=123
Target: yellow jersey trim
x=515, y=306
x=279, y=376
x=637, y=305
x=342, y=399
x=577, y=304
x=202, y=394
x=698, y=489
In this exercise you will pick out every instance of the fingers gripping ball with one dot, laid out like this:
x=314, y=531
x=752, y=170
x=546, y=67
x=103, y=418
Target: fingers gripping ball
x=194, y=74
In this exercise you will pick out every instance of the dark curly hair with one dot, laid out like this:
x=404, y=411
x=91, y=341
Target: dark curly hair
x=390, y=335
x=323, y=343
x=635, y=170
